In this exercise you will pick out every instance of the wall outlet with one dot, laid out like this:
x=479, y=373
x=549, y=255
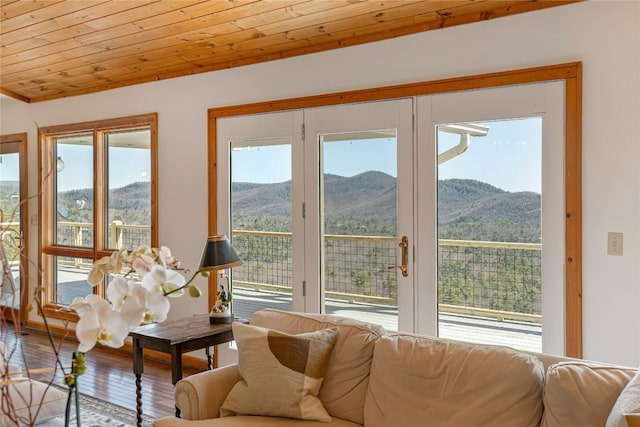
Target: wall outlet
x=614, y=244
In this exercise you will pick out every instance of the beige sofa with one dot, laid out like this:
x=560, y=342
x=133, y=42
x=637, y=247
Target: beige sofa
x=380, y=379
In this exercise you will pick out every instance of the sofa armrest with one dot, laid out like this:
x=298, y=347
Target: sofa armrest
x=200, y=396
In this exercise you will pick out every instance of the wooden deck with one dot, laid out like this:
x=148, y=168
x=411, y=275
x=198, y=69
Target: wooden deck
x=517, y=334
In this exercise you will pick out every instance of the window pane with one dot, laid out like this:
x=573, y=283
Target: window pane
x=71, y=278
x=74, y=191
x=129, y=189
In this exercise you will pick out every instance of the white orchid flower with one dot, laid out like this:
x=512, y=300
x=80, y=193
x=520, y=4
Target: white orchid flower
x=163, y=281
x=143, y=264
x=165, y=257
x=80, y=306
x=99, y=323
x=145, y=306
x=106, y=265
x=131, y=298
x=119, y=290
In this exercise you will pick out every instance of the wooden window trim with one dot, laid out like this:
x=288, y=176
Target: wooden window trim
x=569, y=73
x=45, y=204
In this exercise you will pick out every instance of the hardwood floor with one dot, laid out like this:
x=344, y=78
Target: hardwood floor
x=109, y=374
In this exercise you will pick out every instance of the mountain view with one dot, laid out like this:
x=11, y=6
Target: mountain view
x=129, y=204
x=365, y=204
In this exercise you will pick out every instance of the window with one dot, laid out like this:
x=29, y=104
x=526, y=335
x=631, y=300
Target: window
x=98, y=193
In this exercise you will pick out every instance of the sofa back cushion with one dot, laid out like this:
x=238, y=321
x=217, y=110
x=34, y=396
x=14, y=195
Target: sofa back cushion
x=582, y=393
x=345, y=383
x=452, y=384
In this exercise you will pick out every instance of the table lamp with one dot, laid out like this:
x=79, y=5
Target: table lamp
x=218, y=254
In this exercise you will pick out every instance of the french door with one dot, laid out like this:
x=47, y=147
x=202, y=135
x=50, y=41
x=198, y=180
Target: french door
x=490, y=215
x=316, y=213
x=359, y=204
x=356, y=210
x=13, y=222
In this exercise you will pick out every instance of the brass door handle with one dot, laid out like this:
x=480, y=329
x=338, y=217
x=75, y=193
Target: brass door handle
x=404, y=267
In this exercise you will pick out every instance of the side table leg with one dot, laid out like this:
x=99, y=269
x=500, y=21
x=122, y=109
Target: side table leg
x=138, y=368
x=176, y=368
x=207, y=351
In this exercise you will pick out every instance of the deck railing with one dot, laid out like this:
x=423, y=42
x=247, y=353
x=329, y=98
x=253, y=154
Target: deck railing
x=119, y=235
x=493, y=279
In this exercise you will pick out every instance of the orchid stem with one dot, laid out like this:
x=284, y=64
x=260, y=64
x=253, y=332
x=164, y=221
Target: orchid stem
x=50, y=336
x=185, y=285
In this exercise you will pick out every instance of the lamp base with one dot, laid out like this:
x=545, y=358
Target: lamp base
x=219, y=320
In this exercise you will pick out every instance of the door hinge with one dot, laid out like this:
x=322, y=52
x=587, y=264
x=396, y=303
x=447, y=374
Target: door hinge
x=304, y=210
x=304, y=288
x=303, y=131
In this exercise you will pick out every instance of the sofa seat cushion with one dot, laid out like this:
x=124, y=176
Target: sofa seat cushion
x=251, y=421
x=281, y=373
x=452, y=384
x=582, y=393
x=344, y=387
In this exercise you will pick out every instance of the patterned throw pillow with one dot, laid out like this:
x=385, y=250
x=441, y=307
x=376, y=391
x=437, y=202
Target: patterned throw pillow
x=281, y=373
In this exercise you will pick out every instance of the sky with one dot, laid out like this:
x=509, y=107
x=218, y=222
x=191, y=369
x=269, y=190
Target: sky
x=126, y=166
x=508, y=157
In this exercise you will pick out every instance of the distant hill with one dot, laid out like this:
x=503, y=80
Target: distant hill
x=365, y=204
x=477, y=209
x=129, y=204
x=9, y=199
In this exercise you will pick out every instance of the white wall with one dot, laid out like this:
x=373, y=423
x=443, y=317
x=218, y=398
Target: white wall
x=605, y=36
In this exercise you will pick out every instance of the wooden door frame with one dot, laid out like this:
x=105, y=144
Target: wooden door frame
x=17, y=143
x=569, y=73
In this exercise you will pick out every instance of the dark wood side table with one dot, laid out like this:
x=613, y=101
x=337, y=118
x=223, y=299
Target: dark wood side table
x=175, y=337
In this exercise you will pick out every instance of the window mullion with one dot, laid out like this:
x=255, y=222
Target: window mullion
x=99, y=192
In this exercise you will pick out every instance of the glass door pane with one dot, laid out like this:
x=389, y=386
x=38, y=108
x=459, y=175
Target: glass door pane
x=489, y=232
x=359, y=225
x=10, y=230
x=261, y=224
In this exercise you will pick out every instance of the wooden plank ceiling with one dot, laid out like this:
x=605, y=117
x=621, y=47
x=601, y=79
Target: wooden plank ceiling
x=52, y=49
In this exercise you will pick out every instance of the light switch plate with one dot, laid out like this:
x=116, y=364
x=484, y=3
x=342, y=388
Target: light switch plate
x=614, y=244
